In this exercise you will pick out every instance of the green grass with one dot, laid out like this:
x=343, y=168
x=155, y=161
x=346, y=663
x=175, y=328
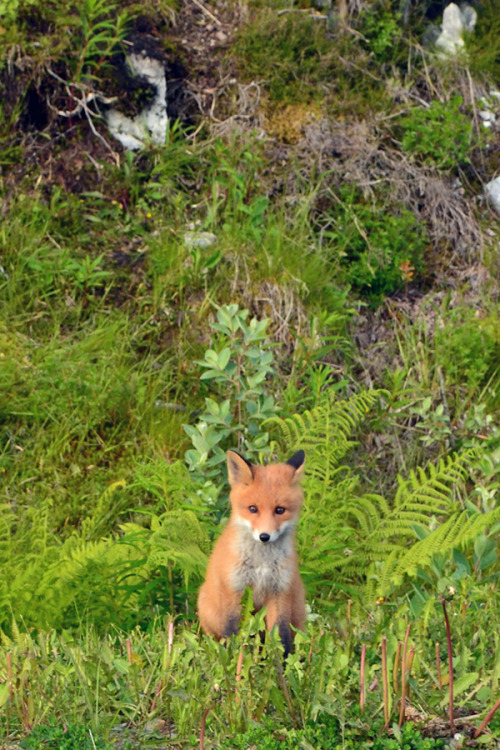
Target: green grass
x=298, y=60
x=159, y=684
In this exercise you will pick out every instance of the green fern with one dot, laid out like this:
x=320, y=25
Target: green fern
x=345, y=538
x=96, y=573
x=325, y=432
x=175, y=539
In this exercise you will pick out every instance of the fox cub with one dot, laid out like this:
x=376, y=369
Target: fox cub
x=257, y=549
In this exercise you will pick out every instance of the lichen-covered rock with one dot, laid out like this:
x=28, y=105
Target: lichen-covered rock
x=202, y=240
x=492, y=193
x=150, y=124
x=456, y=21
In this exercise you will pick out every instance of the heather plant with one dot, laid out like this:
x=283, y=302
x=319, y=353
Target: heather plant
x=439, y=134
x=378, y=252
x=382, y=31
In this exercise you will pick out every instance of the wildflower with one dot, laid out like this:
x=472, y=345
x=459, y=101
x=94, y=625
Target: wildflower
x=407, y=270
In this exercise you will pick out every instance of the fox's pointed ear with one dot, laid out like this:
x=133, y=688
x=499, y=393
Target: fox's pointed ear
x=239, y=470
x=297, y=461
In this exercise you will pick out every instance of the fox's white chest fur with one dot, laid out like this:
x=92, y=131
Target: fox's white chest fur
x=266, y=568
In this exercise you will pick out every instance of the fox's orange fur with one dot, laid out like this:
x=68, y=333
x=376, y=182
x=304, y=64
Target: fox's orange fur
x=257, y=549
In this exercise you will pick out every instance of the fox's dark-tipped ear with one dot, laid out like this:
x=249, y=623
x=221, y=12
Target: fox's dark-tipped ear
x=239, y=470
x=297, y=461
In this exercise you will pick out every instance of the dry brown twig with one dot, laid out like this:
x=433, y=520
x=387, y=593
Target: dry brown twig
x=87, y=96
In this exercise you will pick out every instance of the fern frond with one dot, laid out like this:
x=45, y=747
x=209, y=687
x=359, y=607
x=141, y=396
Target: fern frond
x=324, y=432
x=431, y=490
x=369, y=511
x=457, y=531
x=330, y=418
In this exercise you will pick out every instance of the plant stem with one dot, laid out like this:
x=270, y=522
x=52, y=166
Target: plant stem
x=450, y=665
x=362, y=679
x=409, y=664
x=171, y=586
x=9, y=677
x=286, y=693
x=157, y=693
x=129, y=651
x=486, y=720
x=396, y=668
x=385, y=682
x=239, y=666
x=403, y=678
x=202, y=728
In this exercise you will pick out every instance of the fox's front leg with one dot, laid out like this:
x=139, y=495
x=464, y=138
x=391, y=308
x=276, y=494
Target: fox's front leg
x=219, y=609
x=279, y=614
x=232, y=616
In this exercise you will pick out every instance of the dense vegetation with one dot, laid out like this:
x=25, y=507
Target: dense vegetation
x=308, y=262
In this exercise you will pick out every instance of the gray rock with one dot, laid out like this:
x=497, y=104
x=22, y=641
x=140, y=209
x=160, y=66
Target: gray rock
x=469, y=17
x=492, y=193
x=487, y=117
x=150, y=124
x=430, y=35
x=456, y=20
x=199, y=239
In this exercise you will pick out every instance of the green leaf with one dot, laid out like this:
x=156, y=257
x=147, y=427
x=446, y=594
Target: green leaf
x=463, y=567
x=460, y=685
x=223, y=358
x=211, y=358
x=210, y=375
x=484, y=551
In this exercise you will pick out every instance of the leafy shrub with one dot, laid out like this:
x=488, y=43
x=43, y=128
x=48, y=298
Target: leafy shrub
x=289, y=51
x=379, y=250
x=238, y=205
x=483, y=46
x=236, y=372
x=440, y=134
x=382, y=30
x=98, y=27
x=466, y=347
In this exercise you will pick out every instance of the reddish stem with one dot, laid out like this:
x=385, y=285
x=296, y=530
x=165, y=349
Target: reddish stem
x=450, y=666
x=129, y=651
x=9, y=677
x=362, y=679
x=170, y=635
x=157, y=693
x=203, y=723
x=486, y=720
x=385, y=682
x=403, y=678
x=396, y=668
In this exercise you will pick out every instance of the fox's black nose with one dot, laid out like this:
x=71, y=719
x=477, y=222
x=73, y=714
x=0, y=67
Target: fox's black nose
x=264, y=537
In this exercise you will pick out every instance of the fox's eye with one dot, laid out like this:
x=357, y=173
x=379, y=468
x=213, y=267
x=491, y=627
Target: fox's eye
x=279, y=510
x=252, y=509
